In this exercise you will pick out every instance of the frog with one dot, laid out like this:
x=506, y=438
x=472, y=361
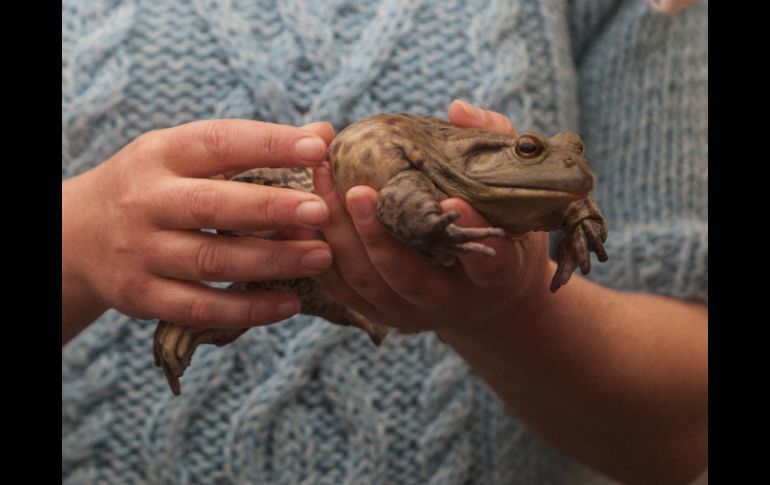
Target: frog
x=520, y=184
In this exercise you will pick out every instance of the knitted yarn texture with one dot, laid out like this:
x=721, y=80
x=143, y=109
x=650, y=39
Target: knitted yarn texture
x=305, y=401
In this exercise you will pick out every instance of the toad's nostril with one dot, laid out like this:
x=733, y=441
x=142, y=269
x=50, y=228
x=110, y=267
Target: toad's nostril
x=569, y=161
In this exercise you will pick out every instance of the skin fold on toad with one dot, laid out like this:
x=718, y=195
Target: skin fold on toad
x=519, y=184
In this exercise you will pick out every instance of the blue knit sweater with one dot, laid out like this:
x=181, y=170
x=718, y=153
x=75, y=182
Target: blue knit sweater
x=304, y=401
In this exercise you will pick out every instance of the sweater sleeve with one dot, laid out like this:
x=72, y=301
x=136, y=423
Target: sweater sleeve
x=643, y=94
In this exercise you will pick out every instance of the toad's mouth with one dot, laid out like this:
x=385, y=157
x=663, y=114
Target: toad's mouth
x=574, y=180
x=540, y=193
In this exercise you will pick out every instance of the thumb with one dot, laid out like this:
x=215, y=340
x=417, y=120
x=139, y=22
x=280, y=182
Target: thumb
x=466, y=115
x=321, y=128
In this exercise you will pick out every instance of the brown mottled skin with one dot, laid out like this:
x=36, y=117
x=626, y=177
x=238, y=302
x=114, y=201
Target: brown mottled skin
x=521, y=184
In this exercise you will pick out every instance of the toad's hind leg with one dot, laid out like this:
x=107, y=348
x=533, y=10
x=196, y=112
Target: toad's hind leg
x=315, y=302
x=408, y=206
x=297, y=178
x=175, y=344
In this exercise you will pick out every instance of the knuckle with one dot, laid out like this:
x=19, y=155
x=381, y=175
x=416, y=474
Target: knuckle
x=273, y=264
x=148, y=141
x=126, y=250
x=256, y=312
x=360, y=281
x=416, y=292
x=271, y=140
x=209, y=261
x=130, y=199
x=124, y=290
x=268, y=208
x=126, y=202
x=132, y=294
x=131, y=221
x=202, y=204
x=380, y=245
x=380, y=259
x=200, y=311
x=151, y=142
x=217, y=140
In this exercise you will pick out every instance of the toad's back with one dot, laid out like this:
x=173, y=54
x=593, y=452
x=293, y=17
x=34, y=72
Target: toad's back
x=375, y=149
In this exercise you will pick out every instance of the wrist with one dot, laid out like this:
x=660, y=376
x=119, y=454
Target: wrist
x=80, y=306
x=81, y=303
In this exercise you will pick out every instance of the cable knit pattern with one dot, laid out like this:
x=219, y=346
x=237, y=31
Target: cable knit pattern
x=306, y=402
x=644, y=121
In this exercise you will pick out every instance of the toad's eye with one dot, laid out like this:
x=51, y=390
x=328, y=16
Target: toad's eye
x=529, y=147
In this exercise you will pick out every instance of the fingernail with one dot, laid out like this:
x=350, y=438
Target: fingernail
x=287, y=308
x=360, y=208
x=316, y=260
x=310, y=149
x=311, y=212
x=469, y=109
x=313, y=124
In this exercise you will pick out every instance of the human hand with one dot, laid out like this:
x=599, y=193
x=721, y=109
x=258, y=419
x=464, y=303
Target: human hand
x=131, y=235
x=671, y=6
x=391, y=284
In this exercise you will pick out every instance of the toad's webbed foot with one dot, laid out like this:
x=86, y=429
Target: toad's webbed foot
x=408, y=206
x=584, y=230
x=174, y=345
x=447, y=240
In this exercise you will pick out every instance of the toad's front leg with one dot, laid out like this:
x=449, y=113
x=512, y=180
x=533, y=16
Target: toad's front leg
x=408, y=206
x=584, y=230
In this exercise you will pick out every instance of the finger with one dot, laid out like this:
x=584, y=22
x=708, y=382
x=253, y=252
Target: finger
x=483, y=270
x=468, y=116
x=391, y=257
x=338, y=290
x=323, y=129
x=198, y=256
x=211, y=147
x=296, y=234
x=350, y=255
x=671, y=6
x=189, y=203
x=198, y=305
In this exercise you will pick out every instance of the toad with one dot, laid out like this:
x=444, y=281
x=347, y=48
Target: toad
x=519, y=184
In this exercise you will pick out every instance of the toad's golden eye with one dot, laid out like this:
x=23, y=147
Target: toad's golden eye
x=529, y=147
